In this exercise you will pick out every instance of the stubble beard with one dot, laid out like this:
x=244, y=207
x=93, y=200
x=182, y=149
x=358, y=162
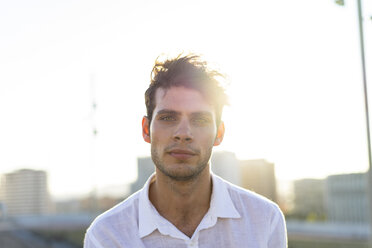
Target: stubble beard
x=192, y=174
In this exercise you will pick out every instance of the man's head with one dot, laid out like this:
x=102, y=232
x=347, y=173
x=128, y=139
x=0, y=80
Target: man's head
x=190, y=72
x=184, y=105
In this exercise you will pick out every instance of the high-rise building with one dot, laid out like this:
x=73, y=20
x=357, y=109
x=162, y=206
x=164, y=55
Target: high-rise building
x=226, y=165
x=258, y=175
x=309, y=198
x=25, y=192
x=346, y=198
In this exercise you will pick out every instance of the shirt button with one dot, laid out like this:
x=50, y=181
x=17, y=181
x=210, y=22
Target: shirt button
x=192, y=244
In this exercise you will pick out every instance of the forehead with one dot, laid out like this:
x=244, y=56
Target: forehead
x=181, y=99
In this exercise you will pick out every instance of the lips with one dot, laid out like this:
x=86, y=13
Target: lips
x=181, y=154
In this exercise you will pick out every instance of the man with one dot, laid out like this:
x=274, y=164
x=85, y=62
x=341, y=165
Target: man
x=183, y=204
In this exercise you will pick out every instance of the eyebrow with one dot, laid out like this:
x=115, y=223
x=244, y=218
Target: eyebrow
x=167, y=111
x=172, y=112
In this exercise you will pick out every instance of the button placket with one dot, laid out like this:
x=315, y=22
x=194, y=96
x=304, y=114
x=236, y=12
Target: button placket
x=193, y=244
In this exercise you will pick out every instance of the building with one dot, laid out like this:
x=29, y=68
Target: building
x=305, y=234
x=226, y=165
x=338, y=199
x=346, y=198
x=309, y=199
x=259, y=176
x=25, y=192
x=145, y=167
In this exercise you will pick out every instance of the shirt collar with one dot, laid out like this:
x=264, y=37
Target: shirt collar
x=221, y=203
x=146, y=215
x=221, y=206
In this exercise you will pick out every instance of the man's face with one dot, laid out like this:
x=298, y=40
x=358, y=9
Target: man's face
x=182, y=132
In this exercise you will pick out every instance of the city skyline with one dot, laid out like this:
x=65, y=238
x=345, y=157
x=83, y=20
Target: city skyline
x=296, y=87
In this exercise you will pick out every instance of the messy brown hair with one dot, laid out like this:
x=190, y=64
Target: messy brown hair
x=191, y=72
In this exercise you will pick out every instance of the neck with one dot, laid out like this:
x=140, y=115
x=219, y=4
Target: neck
x=183, y=203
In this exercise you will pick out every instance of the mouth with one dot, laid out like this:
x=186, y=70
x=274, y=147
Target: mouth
x=181, y=154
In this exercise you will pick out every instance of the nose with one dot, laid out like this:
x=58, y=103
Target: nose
x=183, y=132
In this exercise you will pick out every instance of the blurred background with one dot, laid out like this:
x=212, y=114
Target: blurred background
x=72, y=81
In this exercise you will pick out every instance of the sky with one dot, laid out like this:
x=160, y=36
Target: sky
x=294, y=69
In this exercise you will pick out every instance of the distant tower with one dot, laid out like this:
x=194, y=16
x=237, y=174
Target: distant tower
x=94, y=107
x=25, y=192
x=93, y=169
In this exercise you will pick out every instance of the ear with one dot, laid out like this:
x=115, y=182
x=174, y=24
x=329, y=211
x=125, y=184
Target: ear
x=146, y=129
x=220, y=134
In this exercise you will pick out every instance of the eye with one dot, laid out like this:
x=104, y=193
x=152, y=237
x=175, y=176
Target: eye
x=201, y=120
x=167, y=118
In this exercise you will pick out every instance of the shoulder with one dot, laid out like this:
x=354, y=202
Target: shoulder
x=122, y=217
x=262, y=213
x=259, y=215
x=250, y=202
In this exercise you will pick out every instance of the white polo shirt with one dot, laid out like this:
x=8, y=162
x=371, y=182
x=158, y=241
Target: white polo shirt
x=236, y=218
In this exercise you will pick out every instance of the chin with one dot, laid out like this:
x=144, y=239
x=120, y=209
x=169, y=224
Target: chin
x=182, y=174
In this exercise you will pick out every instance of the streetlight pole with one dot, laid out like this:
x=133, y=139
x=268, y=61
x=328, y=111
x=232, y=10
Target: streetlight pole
x=369, y=189
x=362, y=55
